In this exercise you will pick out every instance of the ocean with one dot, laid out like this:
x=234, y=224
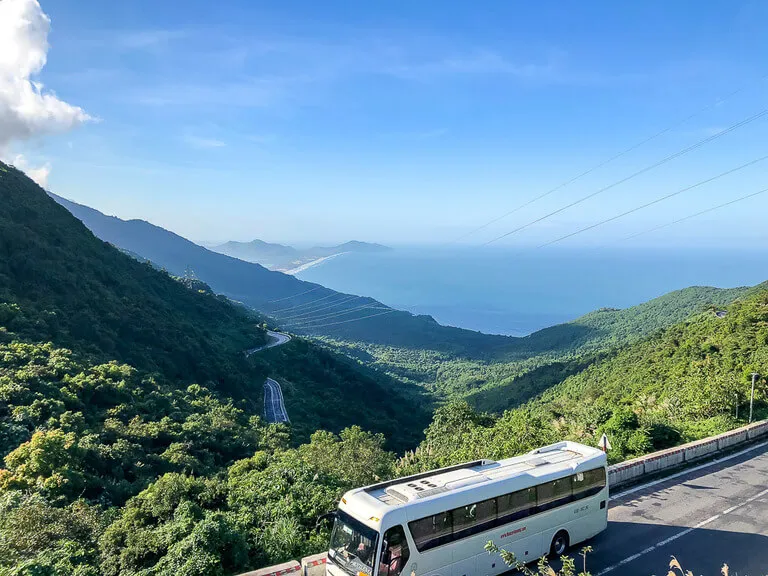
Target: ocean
x=501, y=291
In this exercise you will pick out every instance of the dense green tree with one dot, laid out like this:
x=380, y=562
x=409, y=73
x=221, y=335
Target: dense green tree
x=40, y=539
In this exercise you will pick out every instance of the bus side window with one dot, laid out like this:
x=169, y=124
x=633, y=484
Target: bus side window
x=517, y=505
x=553, y=494
x=432, y=531
x=588, y=483
x=396, y=553
x=474, y=518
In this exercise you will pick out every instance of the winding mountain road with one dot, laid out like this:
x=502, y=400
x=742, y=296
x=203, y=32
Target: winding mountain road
x=278, y=339
x=274, y=405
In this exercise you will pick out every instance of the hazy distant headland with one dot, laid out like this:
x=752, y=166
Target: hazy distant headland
x=289, y=259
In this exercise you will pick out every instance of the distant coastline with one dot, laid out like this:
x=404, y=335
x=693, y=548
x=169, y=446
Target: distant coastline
x=311, y=264
x=290, y=260
x=514, y=293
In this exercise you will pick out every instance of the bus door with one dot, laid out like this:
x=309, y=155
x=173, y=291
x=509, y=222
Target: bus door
x=395, y=552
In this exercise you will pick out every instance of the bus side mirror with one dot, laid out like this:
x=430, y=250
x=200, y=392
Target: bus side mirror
x=324, y=518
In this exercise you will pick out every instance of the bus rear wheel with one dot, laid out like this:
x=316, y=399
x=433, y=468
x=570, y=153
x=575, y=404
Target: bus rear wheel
x=559, y=544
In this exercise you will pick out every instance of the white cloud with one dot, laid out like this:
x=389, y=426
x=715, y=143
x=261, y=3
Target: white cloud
x=39, y=174
x=26, y=108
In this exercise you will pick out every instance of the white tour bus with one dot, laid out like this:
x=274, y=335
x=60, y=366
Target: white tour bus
x=437, y=523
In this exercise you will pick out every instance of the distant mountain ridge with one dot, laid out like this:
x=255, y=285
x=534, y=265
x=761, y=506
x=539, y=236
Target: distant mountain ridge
x=307, y=308
x=60, y=284
x=299, y=306
x=287, y=258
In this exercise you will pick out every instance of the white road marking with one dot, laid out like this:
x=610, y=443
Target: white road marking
x=279, y=340
x=274, y=402
x=681, y=533
x=688, y=471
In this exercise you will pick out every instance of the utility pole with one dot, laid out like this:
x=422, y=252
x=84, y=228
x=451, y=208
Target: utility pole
x=752, y=397
x=737, y=404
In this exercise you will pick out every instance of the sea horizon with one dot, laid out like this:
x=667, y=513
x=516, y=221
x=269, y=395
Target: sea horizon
x=517, y=292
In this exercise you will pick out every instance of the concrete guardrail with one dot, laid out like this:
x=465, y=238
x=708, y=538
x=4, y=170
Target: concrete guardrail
x=288, y=568
x=631, y=470
x=314, y=565
x=626, y=472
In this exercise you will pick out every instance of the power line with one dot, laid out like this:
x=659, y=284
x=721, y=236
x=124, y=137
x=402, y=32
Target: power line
x=306, y=313
x=316, y=310
x=656, y=201
x=611, y=159
x=369, y=306
x=683, y=219
x=352, y=320
x=313, y=309
x=638, y=173
x=294, y=296
x=310, y=303
x=335, y=314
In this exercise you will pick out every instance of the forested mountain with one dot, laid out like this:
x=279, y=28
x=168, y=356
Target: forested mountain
x=239, y=280
x=60, y=283
x=610, y=327
x=300, y=307
x=286, y=258
x=507, y=377
x=129, y=427
x=679, y=385
x=307, y=308
x=269, y=255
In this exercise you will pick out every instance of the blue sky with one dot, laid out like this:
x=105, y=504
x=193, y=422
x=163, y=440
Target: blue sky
x=405, y=122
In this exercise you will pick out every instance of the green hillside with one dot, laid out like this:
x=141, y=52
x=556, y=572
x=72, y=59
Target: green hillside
x=108, y=470
x=60, y=283
x=130, y=436
x=610, y=327
x=506, y=377
x=298, y=306
x=679, y=385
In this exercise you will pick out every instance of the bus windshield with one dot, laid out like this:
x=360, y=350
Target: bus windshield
x=353, y=545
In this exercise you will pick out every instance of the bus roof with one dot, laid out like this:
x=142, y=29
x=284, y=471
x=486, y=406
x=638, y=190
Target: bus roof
x=506, y=475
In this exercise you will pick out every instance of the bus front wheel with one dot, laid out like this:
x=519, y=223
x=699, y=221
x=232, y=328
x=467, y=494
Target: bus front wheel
x=559, y=544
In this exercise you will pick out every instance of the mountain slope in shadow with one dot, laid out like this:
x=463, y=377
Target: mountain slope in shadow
x=299, y=306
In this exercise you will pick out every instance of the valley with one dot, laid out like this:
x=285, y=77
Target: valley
x=105, y=414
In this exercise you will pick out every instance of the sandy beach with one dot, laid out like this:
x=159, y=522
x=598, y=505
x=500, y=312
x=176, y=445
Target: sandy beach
x=310, y=264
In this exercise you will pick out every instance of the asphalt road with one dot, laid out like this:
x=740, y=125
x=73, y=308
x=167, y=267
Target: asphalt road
x=278, y=339
x=705, y=517
x=274, y=406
